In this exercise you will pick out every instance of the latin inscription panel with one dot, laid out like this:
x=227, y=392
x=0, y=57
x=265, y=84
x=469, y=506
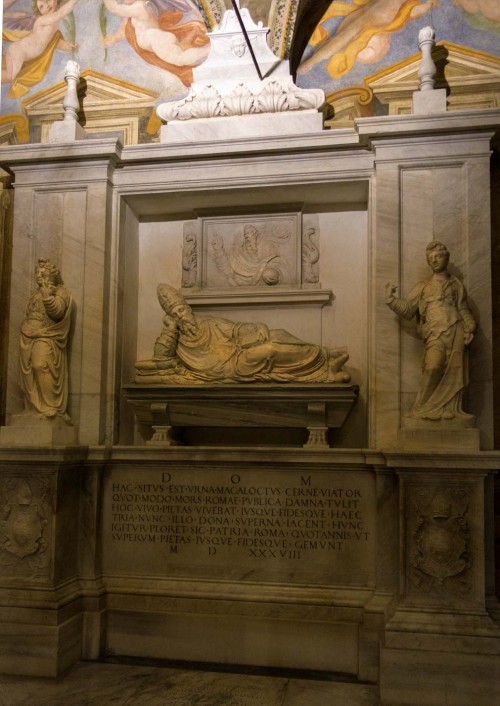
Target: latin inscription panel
x=304, y=527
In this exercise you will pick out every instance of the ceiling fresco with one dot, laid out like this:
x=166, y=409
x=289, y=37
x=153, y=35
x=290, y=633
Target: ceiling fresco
x=153, y=45
x=356, y=38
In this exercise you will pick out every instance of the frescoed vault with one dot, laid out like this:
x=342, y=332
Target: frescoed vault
x=345, y=47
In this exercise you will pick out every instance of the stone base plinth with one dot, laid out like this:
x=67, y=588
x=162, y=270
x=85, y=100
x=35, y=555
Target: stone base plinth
x=37, y=430
x=445, y=674
x=301, y=643
x=40, y=643
x=66, y=131
x=439, y=439
x=241, y=126
x=428, y=102
x=42, y=594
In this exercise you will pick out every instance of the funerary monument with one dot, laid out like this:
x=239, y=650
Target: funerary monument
x=247, y=370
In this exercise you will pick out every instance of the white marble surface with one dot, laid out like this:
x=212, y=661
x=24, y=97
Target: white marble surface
x=66, y=131
x=237, y=127
x=429, y=102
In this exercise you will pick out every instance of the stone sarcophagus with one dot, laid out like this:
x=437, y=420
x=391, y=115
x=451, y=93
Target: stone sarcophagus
x=167, y=410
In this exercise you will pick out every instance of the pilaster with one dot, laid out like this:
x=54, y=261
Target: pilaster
x=431, y=182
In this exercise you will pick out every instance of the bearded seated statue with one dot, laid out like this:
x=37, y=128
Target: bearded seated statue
x=194, y=350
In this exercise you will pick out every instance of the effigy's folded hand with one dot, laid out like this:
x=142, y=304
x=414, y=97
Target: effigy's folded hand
x=155, y=364
x=247, y=335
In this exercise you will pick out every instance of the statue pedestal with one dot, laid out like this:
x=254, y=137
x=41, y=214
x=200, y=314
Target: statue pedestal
x=441, y=633
x=457, y=434
x=66, y=131
x=440, y=438
x=38, y=430
x=428, y=102
x=241, y=126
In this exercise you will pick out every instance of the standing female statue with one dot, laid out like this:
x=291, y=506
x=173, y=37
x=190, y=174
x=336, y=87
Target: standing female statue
x=447, y=327
x=42, y=344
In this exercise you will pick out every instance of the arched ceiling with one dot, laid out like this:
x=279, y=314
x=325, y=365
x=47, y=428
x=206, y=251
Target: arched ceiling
x=309, y=13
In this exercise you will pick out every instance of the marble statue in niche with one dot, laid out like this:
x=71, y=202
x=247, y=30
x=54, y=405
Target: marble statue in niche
x=43, y=343
x=447, y=327
x=195, y=349
x=252, y=259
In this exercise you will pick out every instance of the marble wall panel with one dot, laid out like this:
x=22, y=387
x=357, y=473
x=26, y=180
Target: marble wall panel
x=479, y=283
x=385, y=258
x=344, y=270
x=429, y=189
x=239, y=524
x=94, y=315
x=160, y=260
x=125, y=346
x=6, y=213
x=247, y=640
x=23, y=258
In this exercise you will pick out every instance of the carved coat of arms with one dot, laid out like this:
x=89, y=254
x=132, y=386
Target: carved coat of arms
x=441, y=536
x=22, y=520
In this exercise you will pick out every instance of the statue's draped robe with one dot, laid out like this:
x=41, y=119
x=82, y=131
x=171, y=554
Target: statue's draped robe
x=443, y=318
x=218, y=350
x=42, y=353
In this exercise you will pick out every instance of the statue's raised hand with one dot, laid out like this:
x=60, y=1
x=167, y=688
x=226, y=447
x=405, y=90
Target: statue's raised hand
x=390, y=292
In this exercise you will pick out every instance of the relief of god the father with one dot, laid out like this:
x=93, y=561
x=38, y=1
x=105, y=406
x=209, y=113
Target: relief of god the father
x=447, y=327
x=204, y=349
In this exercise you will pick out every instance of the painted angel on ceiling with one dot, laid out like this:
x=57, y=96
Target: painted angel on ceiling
x=170, y=34
x=33, y=37
x=363, y=33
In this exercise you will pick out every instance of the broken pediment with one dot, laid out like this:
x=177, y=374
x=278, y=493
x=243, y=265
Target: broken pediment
x=109, y=106
x=472, y=80
x=469, y=76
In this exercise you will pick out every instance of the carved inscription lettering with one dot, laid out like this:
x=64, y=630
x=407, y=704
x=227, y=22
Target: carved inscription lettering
x=265, y=522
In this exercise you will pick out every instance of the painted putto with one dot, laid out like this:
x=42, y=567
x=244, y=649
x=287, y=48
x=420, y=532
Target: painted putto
x=357, y=38
x=153, y=44
x=169, y=34
x=33, y=41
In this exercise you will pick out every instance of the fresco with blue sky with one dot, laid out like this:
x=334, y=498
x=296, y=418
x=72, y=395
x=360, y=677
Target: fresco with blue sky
x=357, y=38
x=155, y=44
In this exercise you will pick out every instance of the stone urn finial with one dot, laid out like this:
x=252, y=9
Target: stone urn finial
x=69, y=129
x=71, y=103
x=427, y=70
